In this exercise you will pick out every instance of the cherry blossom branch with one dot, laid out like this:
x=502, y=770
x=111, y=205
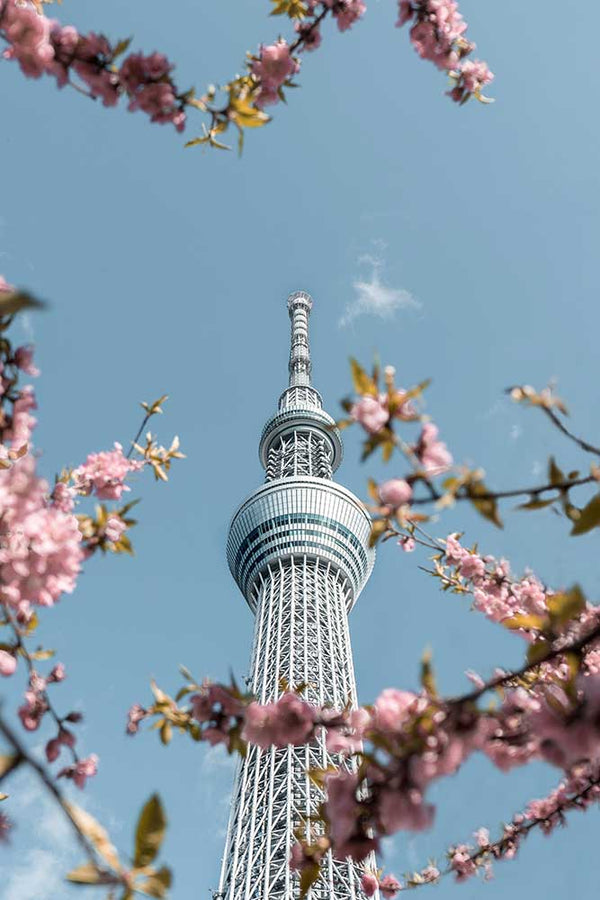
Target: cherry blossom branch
x=43, y=702
x=25, y=758
x=585, y=445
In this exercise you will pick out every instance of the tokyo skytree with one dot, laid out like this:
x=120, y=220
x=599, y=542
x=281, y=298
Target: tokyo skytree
x=298, y=549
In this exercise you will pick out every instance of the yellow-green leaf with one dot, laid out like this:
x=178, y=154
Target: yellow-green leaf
x=95, y=833
x=158, y=883
x=378, y=528
x=363, y=383
x=555, y=475
x=8, y=763
x=589, y=517
x=11, y=303
x=150, y=832
x=427, y=675
x=535, y=504
x=566, y=605
x=309, y=875
x=537, y=623
x=86, y=874
x=487, y=506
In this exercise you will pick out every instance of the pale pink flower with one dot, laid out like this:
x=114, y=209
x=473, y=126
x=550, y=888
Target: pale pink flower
x=135, y=715
x=81, y=770
x=347, y=12
x=369, y=883
x=114, y=528
x=433, y=454
x=393, y=709
x=407, y=543
x=461, y=862
x=371, y=413
x=8, y=663
x=28, y=36
x=104, y=473
x=24, y=360
x=389, y=886
x=33, y=710
x=395, y=492
x=274, y=66
x=290, y=720
x=403, y=810
x=310, y=36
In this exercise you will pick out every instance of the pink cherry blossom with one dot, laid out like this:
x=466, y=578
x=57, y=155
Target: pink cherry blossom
x=135, y=715
x=33, y=710
x=407, y=543
x=310, y=35
x=347, y=12
x=461, y=862
x=393, y=708
x=371, y=413
x=389, y=886
x=395, y=492
x=369, y=883
x=24, y=360
x=104, y=473
x=8, y=663
x=28, y=35
x=433, y=455
x=290, y=720
x=114, y=528
x=274, y=66
x=81, y=770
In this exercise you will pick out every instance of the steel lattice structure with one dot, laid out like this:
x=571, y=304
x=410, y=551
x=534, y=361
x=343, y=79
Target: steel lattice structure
x=298, y=548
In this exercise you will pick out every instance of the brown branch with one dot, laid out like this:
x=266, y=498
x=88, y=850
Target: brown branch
x=501, y=680
x=585, y=445
x=501, y=495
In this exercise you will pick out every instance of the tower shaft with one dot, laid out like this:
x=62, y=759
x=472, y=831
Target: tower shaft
x=298, y=548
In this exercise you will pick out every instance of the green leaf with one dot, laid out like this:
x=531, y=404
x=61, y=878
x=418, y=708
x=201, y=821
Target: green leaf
x=150, y=832
x=86, y=874
x=363, y=383
x=588, y=518
x=566, y=606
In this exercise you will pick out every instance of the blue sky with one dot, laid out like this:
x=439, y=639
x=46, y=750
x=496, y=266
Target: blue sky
x=167, y=271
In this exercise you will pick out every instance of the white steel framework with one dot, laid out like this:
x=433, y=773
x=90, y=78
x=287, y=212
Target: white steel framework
x=299, y=551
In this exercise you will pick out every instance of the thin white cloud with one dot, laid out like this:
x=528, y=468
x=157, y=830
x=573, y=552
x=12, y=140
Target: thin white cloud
x=373, y=297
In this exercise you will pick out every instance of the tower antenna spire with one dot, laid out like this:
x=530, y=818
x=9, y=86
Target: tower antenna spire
x=299, y=307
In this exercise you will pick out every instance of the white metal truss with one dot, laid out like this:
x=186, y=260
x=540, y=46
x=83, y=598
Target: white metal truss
x=298, y=548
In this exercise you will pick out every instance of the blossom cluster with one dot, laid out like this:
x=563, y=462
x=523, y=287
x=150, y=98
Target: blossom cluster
x=438, y=35
x=43, y=46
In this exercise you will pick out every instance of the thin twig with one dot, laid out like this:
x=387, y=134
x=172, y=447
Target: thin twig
x=585, y=445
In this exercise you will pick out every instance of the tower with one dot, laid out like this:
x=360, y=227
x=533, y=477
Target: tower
x=298, y=549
